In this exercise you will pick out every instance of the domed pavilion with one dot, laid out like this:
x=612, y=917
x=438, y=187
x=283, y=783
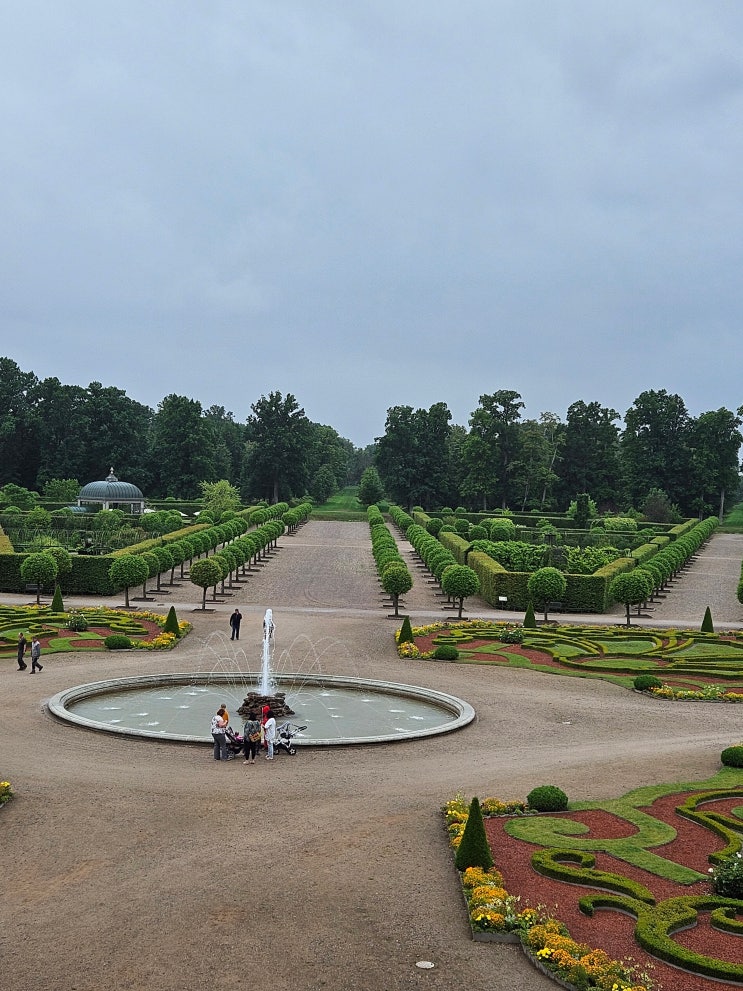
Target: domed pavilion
x=112, y=494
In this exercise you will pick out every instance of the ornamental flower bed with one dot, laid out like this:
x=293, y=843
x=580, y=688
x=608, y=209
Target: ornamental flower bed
x=646, y=858
x=493, y=912
x=6, y=792
x=689, y=664
x=84, y=629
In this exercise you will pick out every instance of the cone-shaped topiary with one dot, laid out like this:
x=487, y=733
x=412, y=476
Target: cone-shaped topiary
x=530, y=622
x=57, y=602
x=707, y=625
x=171, y=623
x=406, y=632
x=473, y=849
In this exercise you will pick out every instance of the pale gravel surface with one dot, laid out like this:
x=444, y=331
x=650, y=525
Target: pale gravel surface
x=139, y=865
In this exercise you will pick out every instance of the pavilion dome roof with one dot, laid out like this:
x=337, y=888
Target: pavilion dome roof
x=111, y=490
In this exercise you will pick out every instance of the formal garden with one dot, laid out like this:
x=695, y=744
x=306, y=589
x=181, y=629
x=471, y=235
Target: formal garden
x=653, y=878
x=675, y=664
x=87, y=629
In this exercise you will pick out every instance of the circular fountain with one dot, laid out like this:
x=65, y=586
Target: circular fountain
x=334, y=709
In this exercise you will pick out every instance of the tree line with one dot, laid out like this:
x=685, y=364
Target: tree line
x=681, y=464
x=50, y=431
x=662, y=456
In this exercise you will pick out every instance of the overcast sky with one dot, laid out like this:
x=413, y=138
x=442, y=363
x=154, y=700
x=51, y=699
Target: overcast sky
x=372, y=203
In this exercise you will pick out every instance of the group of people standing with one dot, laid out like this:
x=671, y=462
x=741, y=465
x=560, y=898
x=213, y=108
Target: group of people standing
x=258, y=731
x=36, y=664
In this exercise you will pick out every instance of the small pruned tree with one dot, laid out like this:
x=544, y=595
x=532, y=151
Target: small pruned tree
x=473, y=849
x=206, y=573
x=707, y=625
x=459, y=582
x=396, y=581
x=631, y=588
x=546, y=585
x=127, y=571
x=39, y=570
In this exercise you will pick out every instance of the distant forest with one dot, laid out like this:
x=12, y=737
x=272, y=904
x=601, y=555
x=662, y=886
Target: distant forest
x=689, y=465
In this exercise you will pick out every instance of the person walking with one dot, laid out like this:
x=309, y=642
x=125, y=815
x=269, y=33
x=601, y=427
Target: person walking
x=251, y=737
x=22, y=644
x=235, y=620
x=220, y=738
x=269, y=733
x=35, y=655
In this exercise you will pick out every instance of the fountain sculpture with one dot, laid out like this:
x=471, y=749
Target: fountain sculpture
x=266, y=693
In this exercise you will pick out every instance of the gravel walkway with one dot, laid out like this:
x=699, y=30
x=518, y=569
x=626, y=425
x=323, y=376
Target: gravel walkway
x=144, y=865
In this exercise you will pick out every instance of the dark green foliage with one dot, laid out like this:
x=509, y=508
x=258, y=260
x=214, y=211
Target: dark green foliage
x=547, y=798
x=57, y=602
x=732, y=756
x=445, y=652
x=644, y=682
x=473, y=850
x=513, y=634
x=707, y=624
x=76, y=621
x=117, y=641
x=727, y=877
x=171, y=623
x=406, y=632
x=530, y=622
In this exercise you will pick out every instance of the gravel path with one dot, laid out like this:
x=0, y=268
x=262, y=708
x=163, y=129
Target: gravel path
x=144, y=865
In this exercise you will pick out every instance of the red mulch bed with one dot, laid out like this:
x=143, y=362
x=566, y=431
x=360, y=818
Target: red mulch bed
x=613, y=931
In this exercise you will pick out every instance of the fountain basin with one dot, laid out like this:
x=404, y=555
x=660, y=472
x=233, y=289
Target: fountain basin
x=337, y=710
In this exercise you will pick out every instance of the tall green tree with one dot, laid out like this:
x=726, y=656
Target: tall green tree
x=396, y=455
x=714, y=441
x=589, y=455
x=279, y=434
x=371, y=489
x=219, y=497
x=534, y=471
x=228, y=440
x=181, y=455
x=116, y=433
x=655, y=447
x=18, y=425
x=492, y=450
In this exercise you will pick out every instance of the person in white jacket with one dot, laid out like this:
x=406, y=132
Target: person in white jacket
x=269, y=733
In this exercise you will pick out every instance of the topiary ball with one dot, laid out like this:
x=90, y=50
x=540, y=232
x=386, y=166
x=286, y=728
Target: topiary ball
x=445, y=652
x=117, y=641
x=644, y=682
x=547, y=798
x=732, y=756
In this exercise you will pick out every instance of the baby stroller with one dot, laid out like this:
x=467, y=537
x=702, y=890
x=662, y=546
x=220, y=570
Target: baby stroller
x=234, y=741
x=284, y=738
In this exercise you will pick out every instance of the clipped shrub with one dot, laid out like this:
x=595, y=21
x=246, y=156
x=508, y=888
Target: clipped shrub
x=171, y=623
x=57, y=601
x=406, y=632
x=512, y=635
x=76, y=621
x=732, y=756
x=530, y=621
x=727, y=877
x=445, y=652
x=473, y=849
x=707, y=624
x=644, y=682
x=117, y=641
x=547, y=798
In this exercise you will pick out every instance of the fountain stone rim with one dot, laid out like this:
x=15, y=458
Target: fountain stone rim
x=57, y=705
